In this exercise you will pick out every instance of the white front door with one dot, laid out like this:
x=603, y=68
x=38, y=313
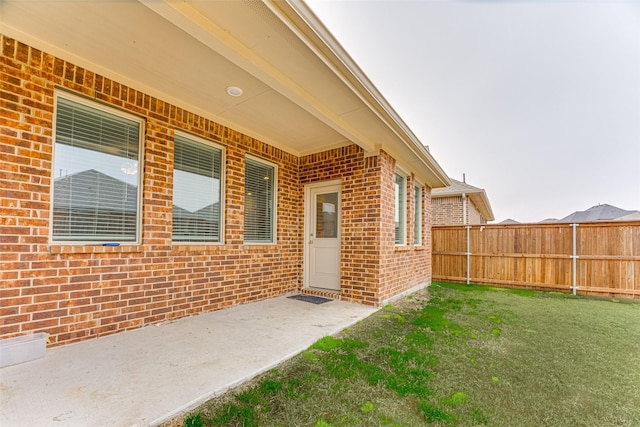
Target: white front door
x=322, y=236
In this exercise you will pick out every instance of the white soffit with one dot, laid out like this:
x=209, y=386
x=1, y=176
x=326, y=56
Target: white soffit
x=302, y=92
x=250, y=36
x=131, y=44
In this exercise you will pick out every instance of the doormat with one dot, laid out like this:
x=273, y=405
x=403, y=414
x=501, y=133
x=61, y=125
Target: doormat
x=310, y=298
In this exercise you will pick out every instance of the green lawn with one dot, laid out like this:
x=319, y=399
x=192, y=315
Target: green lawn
x=457, y=355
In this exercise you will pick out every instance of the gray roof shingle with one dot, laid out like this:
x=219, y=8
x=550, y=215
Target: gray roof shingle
x=602, y=212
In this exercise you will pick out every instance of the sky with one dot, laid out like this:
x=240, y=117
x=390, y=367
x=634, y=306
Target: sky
x=537, y=102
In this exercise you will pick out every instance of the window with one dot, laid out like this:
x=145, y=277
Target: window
x=197, y=190
x=417, y=220
x=259, y=198
x=96, y=177
x=401, y=216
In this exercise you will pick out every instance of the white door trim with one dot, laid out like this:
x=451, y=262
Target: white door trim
x=308, y=229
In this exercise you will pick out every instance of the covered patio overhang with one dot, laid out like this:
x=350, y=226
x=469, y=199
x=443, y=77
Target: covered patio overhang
x=301, y=91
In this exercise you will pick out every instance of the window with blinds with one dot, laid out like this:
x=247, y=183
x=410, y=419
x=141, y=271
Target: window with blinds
x=96, y=173
x=259, y=197
x=417, y=221
x=197, y=189
x=401, y=216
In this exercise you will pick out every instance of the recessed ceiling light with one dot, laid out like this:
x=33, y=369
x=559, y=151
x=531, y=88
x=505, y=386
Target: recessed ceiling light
x=234, y=91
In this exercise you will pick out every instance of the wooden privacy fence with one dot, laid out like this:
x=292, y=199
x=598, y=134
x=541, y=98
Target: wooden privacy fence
x=587, y=258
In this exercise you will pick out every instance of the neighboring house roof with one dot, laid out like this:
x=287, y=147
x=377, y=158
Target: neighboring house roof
x=548, y=220
x=90, y=190
x=85, y=190
x=477, y=195
x=301, y=90
x=179, y=212
x=635, y=216
x=509, y=221
x=597, y=213
x=210, y=210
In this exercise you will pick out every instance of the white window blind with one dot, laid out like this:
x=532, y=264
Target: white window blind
x=96, y=165
x=196, y=191
x=401, y=217
x=417, y=222
x=259, y=196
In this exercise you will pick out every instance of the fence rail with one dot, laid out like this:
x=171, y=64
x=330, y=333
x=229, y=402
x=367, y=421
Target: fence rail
x=588, y=258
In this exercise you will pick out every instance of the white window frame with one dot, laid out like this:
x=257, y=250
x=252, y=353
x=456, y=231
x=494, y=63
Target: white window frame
x=140, y=172
x=418, y=215
x=402, y=215
x=223, y=162
x=274, y=206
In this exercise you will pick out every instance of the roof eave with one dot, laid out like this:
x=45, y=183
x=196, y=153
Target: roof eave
x=478, y=197
x=481, y=201
x=303, y=21
x=362, y=116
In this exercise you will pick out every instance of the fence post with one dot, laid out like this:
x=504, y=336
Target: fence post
x=468, y=253
x=574, y=260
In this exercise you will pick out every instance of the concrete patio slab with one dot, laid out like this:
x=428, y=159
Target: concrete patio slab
x=147, y=376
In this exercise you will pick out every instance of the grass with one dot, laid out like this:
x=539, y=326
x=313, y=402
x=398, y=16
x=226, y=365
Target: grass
x=456, y=355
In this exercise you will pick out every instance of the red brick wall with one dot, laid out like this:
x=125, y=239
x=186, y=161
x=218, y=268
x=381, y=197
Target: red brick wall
x=473, y=214
x=80, y=291
x=373, y=268
x=449, y=211
x=360, y=207
x=402, y=266
x=76, y=292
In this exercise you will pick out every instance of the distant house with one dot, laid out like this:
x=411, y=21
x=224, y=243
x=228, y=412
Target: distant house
x=548, y=220
x=460, y=204
x=601, y=212
x=92, y=200
x=203, y=222
x=509, y=221
x=635, y=216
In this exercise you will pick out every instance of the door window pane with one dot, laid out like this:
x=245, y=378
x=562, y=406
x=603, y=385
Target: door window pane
x=327, y=215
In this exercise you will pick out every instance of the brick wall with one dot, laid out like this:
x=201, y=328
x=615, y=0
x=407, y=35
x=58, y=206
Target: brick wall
x=80, y=291
x=473, y=215
x=76, y=292
x=402, y=266
x=360, y=207
x=449, y=211
x=373, y=268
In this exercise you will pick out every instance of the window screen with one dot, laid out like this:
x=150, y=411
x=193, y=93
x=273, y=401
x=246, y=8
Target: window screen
x=196, y=191
x=401, y=217
x=259, y=209
x=417, y=222
x=96, y=168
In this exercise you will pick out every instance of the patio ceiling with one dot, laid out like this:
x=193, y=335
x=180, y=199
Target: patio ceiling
x=301, y=91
